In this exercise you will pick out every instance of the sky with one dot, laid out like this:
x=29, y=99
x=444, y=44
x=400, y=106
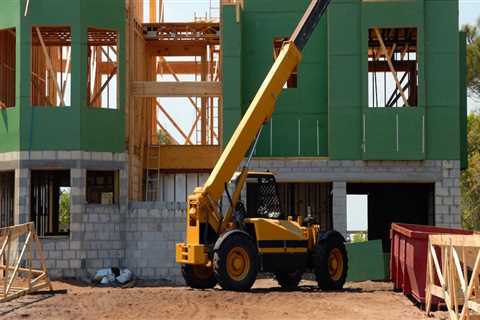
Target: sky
x=185, y=10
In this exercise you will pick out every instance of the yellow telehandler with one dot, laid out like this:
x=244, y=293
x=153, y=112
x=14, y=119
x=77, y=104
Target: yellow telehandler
x=229, y=248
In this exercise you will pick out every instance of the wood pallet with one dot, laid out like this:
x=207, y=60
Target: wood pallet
x=454, y=263
x=17, y=275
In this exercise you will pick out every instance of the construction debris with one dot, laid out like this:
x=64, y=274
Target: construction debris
x=112, y=276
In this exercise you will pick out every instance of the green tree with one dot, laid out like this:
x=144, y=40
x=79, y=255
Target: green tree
x=473, y=58
x=359, y=237
x=64, y=212
x=470, y=180
x=163, y=137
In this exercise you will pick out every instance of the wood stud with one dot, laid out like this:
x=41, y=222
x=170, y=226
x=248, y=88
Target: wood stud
x=453, y=270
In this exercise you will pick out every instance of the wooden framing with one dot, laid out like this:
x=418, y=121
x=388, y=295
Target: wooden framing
x=14, y=263
x=152, y=89
x=453, y=270
x=158, y=51
x=392, y=68
x=179, y=158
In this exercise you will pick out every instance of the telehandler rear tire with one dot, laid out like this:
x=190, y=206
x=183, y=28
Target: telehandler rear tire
x=235, y=262
x=288, y=280
x=198, y=277
x=330, y=262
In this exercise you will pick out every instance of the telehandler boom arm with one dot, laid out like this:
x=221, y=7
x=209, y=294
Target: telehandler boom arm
x=263, y=105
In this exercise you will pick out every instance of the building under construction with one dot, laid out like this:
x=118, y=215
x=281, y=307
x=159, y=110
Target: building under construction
x=111, y=116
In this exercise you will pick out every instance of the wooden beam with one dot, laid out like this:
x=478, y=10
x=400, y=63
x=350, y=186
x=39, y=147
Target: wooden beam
x=178, y=67
x=178, y=157
x=176, y=89
x=187, y=48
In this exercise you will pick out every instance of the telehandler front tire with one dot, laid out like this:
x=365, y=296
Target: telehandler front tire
x=330, y=262
x=235, y=262
x=198, y=277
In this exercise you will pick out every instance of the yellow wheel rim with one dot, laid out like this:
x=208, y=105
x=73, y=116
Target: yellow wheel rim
x=335, y=264
x=238, y=263
x=201, y=272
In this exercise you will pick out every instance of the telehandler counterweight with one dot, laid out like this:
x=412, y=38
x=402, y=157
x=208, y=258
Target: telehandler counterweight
x=229, y=248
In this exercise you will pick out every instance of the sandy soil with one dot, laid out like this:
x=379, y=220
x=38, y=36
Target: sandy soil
x=367, y=300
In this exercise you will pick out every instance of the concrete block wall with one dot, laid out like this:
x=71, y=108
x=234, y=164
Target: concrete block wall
x=153, y=229
x=97, y=232
x=448, y=195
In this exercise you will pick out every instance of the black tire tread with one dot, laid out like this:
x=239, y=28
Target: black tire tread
x=219, y=265
x=320, y=259
x=194, y=282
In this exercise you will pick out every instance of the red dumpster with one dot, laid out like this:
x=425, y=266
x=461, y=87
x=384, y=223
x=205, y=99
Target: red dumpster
x=408, y=259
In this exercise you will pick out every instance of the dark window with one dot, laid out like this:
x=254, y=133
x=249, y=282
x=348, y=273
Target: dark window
x=50, y=202
x=392, y=67
x=102, y=187
x=7, y=184
x=277, y=47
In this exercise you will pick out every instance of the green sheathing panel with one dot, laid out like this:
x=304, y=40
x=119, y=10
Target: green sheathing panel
x=76, y=127
x=442, y=78
x=366, y=261
x=328, y=114
x=394, y=134
x=344, y=80
x=299, y=123
x=462, y=58
x=231, y=39
x=10, y=118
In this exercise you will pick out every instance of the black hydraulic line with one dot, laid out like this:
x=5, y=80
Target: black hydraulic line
x=309, y=22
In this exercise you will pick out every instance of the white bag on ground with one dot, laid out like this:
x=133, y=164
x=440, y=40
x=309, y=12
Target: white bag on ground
x=125, y=276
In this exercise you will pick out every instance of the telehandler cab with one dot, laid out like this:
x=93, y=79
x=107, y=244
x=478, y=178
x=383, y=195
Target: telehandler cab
x=229, y=248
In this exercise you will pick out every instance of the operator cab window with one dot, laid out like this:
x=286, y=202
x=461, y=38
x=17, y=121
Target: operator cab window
x=263, y=199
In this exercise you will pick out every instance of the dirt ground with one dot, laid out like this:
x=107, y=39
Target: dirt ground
x=367, y=300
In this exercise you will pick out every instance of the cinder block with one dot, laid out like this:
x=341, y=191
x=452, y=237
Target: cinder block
x=61, y=245
x=75, y=264
x=69, y=254
x=75, y=245
x=62, y=264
